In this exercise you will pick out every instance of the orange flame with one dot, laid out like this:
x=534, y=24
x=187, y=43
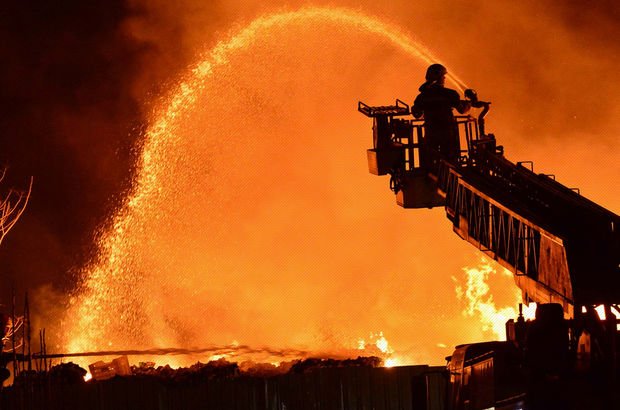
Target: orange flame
x=119, y=303
x=477, y=295
x=379, y=346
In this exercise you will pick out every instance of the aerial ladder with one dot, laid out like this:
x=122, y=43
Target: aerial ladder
x=563, y=249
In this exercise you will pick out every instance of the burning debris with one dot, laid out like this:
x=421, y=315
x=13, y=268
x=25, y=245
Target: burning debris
x=309, y=383
x=222, y=369
x=64, y=373
x=118, y=367
x=69, y=373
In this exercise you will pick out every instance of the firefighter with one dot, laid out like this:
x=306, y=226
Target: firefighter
x=435, y=102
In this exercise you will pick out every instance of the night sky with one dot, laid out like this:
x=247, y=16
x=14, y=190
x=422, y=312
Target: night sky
x=72, y=114
x=76, y=81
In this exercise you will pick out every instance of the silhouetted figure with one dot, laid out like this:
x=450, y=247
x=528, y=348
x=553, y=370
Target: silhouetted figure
x=435, y=102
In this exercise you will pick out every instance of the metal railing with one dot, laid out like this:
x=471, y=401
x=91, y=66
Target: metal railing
x=410, y=134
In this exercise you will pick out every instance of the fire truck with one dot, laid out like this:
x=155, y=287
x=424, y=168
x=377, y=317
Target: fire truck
x=563, y=249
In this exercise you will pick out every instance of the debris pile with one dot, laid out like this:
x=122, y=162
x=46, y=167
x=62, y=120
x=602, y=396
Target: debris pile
x=71, y=373
x=222, y=369
x=214, y=370
x=118, y=367
x=64, y=373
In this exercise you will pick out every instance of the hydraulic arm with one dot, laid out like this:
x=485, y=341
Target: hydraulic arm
x=561, y=246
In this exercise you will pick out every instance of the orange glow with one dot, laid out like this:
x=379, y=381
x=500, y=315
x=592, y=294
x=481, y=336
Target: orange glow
x=225, y=234
x=392, y=362
x=382, y=343
x=253, y=217
x=529, y=311
x=481, y=303
x=379, y=346
x=600, y=310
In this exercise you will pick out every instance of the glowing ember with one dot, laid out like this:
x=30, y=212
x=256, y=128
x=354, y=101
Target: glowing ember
x=218, y=357
x=382, y=343
x=379, y=346
x=392, y=362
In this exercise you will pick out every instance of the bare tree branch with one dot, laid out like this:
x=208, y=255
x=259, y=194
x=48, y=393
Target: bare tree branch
x=12, y=206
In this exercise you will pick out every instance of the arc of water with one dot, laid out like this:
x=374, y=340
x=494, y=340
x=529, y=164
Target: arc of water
x=185, y=94
x=161, y=134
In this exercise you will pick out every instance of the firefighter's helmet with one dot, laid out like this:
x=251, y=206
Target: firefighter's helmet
x=435, y=72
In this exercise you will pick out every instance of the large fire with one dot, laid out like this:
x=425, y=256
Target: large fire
x=253, y=218
x=477, y=295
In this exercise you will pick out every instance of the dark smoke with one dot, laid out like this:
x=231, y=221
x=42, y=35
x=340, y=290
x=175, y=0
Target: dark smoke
x=72, y=89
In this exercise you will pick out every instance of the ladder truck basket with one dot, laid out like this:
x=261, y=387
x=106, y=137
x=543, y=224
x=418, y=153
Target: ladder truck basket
x=399, y=108
x=387, y=152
